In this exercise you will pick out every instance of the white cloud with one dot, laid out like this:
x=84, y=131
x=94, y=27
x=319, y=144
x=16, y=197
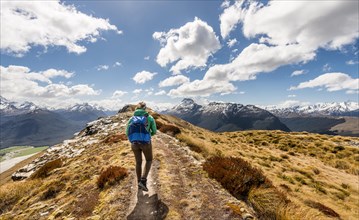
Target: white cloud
x=288, y=104
x=190, y=46
x=174, y=81
x=292, y=96
x=162, y=92
x=102, y=67
x=202, y=88
x=230, y=18
x=225, y=4
x=117, y=64
x=326, y=68
x=118, y=93
x=146, y=58
x=231, y=42
x=258, y=58
x=296, y=43
x=112, y=104
x=47, y=23
x=149, y=91
x=298, y=72
x=143, y=76
x=18, y=83
x=332, y=82
x=306, y=23
x=352, y=62
x=137, y=91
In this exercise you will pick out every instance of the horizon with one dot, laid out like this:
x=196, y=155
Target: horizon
x=62, y=53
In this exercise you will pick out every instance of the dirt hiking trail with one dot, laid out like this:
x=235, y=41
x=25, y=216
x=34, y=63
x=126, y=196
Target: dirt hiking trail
x=179, y=188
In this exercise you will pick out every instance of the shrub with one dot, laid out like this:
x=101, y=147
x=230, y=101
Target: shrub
x=236, y=175
x=170, y=129
x=45, y=169
x=322, y=208
x=111, y=175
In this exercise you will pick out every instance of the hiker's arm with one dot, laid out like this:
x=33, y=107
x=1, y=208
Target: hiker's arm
x=153, y=127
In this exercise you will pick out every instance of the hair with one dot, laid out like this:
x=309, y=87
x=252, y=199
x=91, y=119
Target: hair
x=141, y=105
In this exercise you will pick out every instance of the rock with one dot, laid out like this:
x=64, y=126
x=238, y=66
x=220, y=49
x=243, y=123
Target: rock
x=21, y=175
x=247, y=216
x=127, y=108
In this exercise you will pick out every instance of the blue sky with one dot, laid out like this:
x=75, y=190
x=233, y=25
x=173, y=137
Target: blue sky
x=110, y=53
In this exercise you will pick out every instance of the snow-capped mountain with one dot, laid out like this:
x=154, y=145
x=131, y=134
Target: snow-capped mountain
x=85, y=107
x=9, y=108
x=319, y=109
x=82, y=112
x=218, y=116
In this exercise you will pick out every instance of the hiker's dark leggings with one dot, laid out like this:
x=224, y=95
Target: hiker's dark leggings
x=137, y=149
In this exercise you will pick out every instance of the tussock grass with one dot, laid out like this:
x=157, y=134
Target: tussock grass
x=85, y=205
x=170, y=129
x=12, y=192
x=53, y=190
x=111, y=176
x=236, y=175
x=322, y=208
x=115, y=138
x=45, y=170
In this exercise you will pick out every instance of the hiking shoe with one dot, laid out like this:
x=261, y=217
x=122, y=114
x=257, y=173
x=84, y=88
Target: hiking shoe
x=142, y=185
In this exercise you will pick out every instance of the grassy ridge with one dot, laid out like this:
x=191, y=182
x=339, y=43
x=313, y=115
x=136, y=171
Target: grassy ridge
x=304, y=168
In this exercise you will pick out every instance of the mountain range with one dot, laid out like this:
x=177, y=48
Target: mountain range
x=336, y=118
x=27, y=124
x=217, y=116
x=319, y=109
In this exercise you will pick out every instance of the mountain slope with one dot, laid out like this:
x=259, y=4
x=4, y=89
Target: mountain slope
x=226, y=116
x=297, y=175
x=36, y=128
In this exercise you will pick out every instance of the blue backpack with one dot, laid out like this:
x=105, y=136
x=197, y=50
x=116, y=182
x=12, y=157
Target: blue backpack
x=137, y=131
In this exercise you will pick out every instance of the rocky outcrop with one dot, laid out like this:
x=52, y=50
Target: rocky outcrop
x=69, y=148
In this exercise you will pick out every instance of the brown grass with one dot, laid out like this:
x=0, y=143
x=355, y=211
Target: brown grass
x=45, y=170
x=322, y=208
x=247, y=183
x=115, y=138
x=52, y=190
x=111, y=176
x=170, y=129
x=236, y=175
x=12, y=192
x=87, y=202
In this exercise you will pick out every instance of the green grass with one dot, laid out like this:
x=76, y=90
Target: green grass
x=20, y=151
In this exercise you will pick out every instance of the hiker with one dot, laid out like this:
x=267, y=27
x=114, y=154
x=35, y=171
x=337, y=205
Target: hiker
x=140, y=127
